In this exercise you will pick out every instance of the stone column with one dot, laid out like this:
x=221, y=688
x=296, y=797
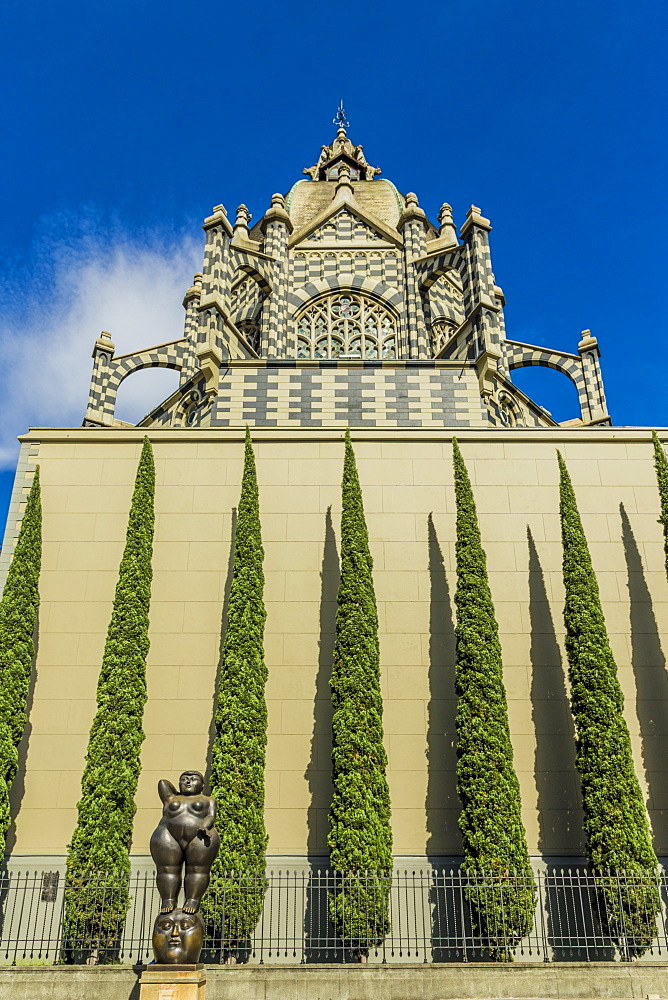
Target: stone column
x=101, y=400
x=276, y=227
x=190, y=328
x=481, y=304
x=592, y=394
x=413, y=226
x=214, y=306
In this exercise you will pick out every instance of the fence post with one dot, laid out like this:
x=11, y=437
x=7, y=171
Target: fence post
x=542, y=910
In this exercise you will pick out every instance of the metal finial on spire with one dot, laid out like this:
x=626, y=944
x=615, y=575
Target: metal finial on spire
x=340, y=117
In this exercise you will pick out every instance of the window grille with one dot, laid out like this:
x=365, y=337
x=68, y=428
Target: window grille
x=441, y=332
x=347, y=324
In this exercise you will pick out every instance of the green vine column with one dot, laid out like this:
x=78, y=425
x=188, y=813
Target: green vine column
x=661, y=466
x=18, y=625
x=501, y=887
x=238, y=755
x=360, y=836
x=615, y=820
x=98, y=859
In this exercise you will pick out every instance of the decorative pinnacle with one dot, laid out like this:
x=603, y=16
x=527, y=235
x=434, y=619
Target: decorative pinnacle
x=243, y=218
x=343, y=183
x=340, y=117
x=445, y=215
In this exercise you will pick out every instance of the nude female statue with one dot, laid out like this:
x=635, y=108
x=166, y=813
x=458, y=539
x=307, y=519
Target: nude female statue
x=185, y=834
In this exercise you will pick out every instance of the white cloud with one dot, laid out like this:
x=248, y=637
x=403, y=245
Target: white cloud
x=132, y=289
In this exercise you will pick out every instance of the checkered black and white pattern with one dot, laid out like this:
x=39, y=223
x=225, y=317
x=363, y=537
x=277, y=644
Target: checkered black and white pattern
x=270, y=286
x=108, y=374
x=275, y=327
x=343, y=226
x=444, y=300
x=340, y=393
x=256, y=265
x=584, y=372
x=593, y=381
x=298, y=298
x=415, y=243
x=430, y=269
x=380, y=265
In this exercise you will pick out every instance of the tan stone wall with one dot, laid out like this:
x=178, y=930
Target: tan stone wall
x=87, y=480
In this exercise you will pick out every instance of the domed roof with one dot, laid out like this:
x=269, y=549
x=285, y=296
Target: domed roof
x=380, y=198
x=309, y=198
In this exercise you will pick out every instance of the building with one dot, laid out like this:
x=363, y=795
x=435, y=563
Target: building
x=344, y=305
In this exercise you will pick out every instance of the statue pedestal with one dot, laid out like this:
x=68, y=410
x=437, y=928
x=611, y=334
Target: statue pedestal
x=172, y=982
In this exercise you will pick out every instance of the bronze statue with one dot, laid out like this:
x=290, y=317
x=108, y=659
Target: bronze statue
x=185, y=834
x=177, y=938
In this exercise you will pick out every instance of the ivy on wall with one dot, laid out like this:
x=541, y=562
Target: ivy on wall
x=615, y=820
x=18, y=626
x=661, y=466
x=360, y=837
x=98, y=856
x=239, y=747
x=501, y=888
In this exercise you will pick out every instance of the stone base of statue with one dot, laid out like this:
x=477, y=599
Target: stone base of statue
x=172, y=982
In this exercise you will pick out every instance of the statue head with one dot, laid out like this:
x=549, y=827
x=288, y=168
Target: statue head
x=191, y=783
x=177, y=938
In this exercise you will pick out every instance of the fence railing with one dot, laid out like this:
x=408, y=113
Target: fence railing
x=410, y=915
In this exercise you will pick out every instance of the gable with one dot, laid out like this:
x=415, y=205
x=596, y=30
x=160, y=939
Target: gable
x=344, y=227
x=345, y=222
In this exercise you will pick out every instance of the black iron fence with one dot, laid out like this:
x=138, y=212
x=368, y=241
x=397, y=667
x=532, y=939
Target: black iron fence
x=410, y=915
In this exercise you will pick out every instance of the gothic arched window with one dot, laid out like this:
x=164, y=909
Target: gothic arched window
x=347, y=323
x=250, y=329
x=441, y=331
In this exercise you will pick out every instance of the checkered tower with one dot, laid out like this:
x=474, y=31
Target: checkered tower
x=276, y=228
x=213, y=307
x=413, y=226
x=430, y=346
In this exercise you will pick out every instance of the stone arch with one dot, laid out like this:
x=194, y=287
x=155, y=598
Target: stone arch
x=122, y=374
x=430, y=270
x=252, y=271
x=519, y=355
x=510, y=411
x=241, y=260
x=110, y=372
x=298, y=298
x=248, y=293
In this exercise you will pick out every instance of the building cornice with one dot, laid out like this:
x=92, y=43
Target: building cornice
x=203, y=435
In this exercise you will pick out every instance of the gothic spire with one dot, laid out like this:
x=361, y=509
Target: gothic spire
x=339, y=118
x=341, y=150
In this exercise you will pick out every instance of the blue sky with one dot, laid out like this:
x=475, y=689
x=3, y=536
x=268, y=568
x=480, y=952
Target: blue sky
x=124, y=123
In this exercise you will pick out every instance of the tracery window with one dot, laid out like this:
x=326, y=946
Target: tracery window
x=250, y=329
x=509, y=411
x=347, y=323
x=441, y=332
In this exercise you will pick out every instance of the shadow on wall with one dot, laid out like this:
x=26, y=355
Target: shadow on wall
x=442, y=804
x=318, y=772
x=223, y=632
x=18, y=788
x=649, y=669
x=556, y=776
